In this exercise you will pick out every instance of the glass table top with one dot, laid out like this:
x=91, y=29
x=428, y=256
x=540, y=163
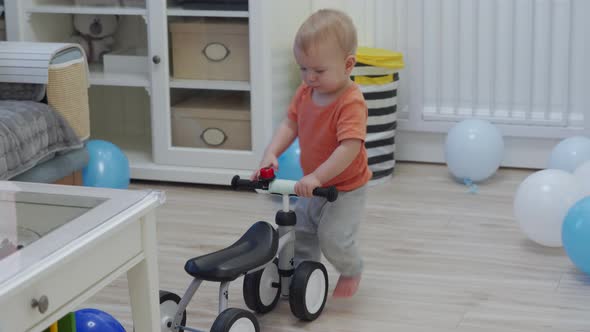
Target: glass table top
x=27, y=216
x=37, y=219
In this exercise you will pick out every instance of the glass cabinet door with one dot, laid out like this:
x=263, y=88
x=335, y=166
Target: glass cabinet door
x=208, y=119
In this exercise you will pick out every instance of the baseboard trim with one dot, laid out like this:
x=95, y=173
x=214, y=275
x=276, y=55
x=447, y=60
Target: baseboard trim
x=429, y=147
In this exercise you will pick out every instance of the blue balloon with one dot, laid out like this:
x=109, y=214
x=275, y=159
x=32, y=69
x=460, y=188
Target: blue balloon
x=575, y=234
x=289, y=164
x=107, y=167
x=94, y=320
x=570, y=153
x=474, y=149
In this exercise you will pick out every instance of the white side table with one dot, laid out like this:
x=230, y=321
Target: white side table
x=84, y=239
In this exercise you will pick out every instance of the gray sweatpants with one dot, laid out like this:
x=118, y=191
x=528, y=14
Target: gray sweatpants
x=331, y=229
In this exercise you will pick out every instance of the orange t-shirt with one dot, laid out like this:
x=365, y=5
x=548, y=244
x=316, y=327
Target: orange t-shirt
x=322, y=128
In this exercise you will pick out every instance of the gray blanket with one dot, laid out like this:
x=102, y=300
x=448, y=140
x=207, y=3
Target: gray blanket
x=29, y=133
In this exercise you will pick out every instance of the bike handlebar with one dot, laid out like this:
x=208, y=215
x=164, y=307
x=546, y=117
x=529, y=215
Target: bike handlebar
x=330, y=193
x=237, y=183
x=279, y=186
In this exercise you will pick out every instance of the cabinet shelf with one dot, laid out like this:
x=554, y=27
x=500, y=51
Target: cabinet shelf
x=138, y=151
x=143, y=167
x=65, y=7
x=99, y=77
x=210, y=85
x=179, y=11
x=141, y=106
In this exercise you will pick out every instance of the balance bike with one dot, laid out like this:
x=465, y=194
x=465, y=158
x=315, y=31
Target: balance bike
x=266, y=276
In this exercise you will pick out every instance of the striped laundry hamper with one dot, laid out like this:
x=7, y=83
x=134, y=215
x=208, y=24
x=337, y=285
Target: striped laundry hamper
x=376, y=73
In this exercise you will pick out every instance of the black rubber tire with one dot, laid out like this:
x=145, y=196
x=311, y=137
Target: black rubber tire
x=251, y=289
x=225, y=321
x=299, y=286
x=169, y=296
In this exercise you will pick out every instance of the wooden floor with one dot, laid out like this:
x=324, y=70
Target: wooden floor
x=437, y=259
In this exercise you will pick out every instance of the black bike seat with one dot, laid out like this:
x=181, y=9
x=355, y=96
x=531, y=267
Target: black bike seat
x=257, y=246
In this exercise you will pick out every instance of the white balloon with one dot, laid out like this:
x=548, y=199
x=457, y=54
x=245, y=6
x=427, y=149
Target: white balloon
x=474, y=149
x=570, y=153
x=582, y=174
x=542, y=202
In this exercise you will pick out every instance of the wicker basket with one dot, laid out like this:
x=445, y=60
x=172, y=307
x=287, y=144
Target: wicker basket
x=67, y=93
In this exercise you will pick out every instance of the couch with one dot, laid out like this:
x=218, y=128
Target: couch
x=44, y=120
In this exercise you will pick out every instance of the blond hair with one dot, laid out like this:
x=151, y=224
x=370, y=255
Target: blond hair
x=324, y=25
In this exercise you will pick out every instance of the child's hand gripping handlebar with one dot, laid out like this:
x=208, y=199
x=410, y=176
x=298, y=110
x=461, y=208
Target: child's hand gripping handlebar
x=276, y=186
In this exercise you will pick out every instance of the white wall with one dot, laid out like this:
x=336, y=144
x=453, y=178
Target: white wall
x=362, y=13
x=290, y=15
x=519, y=64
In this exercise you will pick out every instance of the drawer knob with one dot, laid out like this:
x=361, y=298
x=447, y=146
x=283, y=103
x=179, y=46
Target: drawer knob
x=156, y=59
x=42, y=304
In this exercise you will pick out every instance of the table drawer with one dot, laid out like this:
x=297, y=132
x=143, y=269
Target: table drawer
x=69, y=279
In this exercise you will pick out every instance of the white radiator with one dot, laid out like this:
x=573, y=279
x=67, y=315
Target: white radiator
x=519, y=63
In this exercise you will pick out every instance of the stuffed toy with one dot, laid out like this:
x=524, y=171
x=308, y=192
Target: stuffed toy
x=95, y=34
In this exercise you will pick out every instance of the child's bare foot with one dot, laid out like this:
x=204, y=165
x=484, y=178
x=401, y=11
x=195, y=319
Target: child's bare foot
x=347, y=286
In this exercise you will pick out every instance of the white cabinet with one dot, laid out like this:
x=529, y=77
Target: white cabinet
x=134, y=110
